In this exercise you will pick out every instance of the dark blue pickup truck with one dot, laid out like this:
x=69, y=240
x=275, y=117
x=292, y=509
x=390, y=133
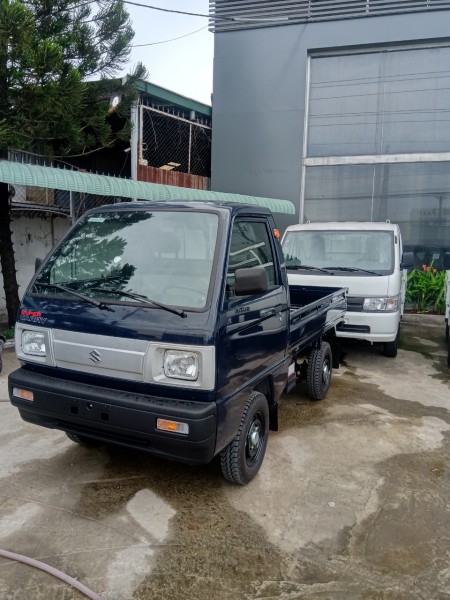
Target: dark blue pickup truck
x=171, y=328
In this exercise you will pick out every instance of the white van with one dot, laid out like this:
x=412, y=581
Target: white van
x=368, y=259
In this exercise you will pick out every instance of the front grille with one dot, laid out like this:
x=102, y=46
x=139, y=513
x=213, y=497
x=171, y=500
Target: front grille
x=354, y=304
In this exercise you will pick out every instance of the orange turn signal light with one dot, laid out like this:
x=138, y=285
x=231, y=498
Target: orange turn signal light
x=23, y=394
x=173, y=426
x=277, y=234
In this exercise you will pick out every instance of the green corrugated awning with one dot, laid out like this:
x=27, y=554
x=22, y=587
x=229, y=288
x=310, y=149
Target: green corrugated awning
x=16, y=173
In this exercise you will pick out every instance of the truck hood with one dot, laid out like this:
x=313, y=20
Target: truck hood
x=124, y=320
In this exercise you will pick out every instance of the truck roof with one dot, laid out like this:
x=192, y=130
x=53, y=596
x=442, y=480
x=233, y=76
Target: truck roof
x=204, y=206
x=344, y=225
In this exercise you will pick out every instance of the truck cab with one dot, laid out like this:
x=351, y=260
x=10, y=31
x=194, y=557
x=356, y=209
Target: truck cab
x=366, y=258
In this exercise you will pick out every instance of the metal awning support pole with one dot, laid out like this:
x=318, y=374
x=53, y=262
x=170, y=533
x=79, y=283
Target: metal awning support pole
x=190, y=150
x=134, y=140
x=73, y=215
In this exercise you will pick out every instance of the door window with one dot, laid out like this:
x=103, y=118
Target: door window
x=250, y=247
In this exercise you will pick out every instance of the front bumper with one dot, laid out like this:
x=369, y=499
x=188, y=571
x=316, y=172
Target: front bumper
x=115, y=416
x=370, y=326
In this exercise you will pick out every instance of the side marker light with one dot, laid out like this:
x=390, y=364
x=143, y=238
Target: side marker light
x=172, y=426
x=23, y=394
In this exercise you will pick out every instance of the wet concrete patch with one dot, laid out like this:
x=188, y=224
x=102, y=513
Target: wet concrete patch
x=404, y=539
x=395, y=379
x=426, y=335
x=316, y=480
x=208, y=543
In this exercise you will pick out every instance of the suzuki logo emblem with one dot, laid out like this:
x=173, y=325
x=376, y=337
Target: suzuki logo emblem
x=96, y=357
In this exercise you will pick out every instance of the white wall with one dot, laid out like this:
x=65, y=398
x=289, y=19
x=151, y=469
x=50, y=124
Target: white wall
x=32, y=237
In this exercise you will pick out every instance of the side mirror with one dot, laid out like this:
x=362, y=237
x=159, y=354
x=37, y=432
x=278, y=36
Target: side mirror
x=37, y=264
x=446, y=261
x=407, y=260
x=251, y=281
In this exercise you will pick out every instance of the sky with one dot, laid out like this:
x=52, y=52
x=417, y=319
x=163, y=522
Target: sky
x=184, y=66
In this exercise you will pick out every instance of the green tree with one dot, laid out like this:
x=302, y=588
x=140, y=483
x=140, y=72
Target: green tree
x=57, y=58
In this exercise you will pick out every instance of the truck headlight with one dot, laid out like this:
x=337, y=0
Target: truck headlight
x=33, y=342
x=381, y=304
x=181, y=365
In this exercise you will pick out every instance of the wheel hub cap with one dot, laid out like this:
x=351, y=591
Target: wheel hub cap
x=325, y=372
x=254, y=439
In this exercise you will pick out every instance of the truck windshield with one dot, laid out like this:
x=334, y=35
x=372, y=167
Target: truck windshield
x=355, y=252
x=163, y=256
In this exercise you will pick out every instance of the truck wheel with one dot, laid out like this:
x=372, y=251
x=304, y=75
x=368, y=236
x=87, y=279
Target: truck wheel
x=390, y=348
x=80, y=439
x=242, y=458
x=446, y=330
x=318, y=376
x=448, y=355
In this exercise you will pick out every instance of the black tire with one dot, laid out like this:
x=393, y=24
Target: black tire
x=390, y=348
x=80, y=439
x=318, y=376
x=446, y=331
x=242, y=458
x=1, y=363
x=448, y=354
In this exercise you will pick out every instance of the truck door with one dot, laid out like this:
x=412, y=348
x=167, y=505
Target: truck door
x=256, y=325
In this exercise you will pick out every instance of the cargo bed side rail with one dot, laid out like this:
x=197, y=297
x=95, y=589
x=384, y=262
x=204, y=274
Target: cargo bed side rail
x=309, y=323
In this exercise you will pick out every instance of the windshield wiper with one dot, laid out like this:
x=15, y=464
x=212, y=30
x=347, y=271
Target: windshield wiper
x=57, y=286
x=354, y=270
x=142, y=298
x=308, y=268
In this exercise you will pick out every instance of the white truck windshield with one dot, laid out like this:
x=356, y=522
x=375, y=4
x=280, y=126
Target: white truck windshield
x=352, y=250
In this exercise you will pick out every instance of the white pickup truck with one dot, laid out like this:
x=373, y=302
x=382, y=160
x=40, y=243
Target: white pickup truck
x=368, y=259
x=447, y=302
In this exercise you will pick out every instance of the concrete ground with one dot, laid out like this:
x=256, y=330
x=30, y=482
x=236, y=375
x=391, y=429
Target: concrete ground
x=352, y=501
